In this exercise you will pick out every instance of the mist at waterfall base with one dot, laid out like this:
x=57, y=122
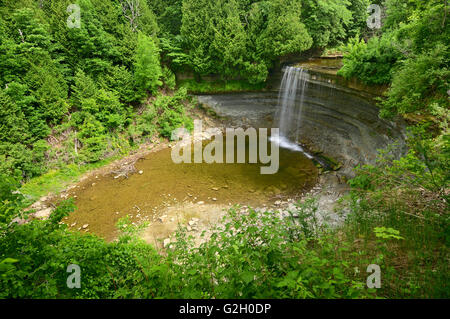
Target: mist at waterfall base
x=290, y=107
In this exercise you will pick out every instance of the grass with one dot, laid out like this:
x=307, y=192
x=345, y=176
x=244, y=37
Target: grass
x=225, y=86
x=57, y=180
x=415, y=266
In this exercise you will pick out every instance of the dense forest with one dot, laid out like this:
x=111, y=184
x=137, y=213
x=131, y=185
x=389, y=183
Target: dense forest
x=80, y=88
x=71, y=97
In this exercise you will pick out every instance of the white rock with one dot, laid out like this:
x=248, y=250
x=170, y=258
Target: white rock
x=38, y=205
x=19, y=221
x=45, y=213
x=85, y=226
x=166, y=242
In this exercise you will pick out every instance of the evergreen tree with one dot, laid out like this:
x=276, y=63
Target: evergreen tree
x=147, y=68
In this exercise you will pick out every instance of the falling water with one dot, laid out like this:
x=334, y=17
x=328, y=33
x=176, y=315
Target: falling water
x=290, y=105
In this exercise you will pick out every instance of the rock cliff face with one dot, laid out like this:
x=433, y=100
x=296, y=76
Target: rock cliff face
x=339, y=121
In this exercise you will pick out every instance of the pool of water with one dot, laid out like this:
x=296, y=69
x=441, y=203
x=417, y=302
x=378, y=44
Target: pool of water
x=101, y=201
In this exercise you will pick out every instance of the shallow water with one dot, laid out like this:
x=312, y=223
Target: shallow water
x=102, y=201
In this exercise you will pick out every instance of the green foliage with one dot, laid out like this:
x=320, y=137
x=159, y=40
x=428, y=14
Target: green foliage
x=358, y=8
x=121, y=80
x=284, y=33
x=253, y=255
x=327, y=20
x=411, y=55
x=14, y=127
x=68, y=95
x=205, y=87
x=420, y=83
x=212, y=48
x=373, y=63
x=387, y=233
x=20, y=153
x=169, y=14
x=62, y=81
x=163, y=115
x=407, y=190
x=407, y=196
x=70, y=98
x=426, y=162
x=92, y=137
x=169, y=78
x=245, y=39
x=258, y=255
x=147, y=67
x=10, y=201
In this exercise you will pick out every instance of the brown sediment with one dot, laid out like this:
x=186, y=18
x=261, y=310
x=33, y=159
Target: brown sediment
x=157, y=185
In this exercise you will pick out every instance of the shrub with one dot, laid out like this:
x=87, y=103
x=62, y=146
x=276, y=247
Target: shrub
x=147, y=67
x=418, y=83
x=373, y=63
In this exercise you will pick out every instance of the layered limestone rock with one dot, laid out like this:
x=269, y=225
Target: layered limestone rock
x=339, y=121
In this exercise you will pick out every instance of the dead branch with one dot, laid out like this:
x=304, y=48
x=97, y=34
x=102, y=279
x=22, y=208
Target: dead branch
x=21, y=36
x=132, y=12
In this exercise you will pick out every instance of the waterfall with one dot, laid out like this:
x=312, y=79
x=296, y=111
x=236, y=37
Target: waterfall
x=290, y=105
